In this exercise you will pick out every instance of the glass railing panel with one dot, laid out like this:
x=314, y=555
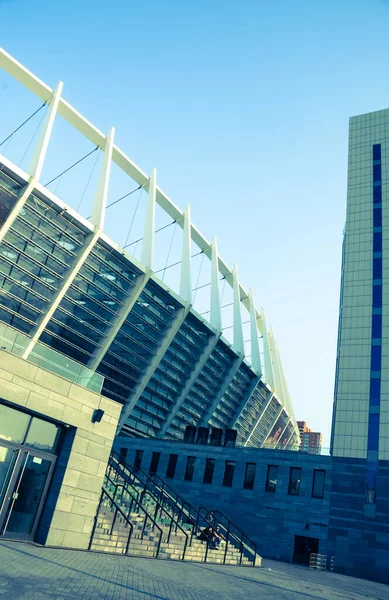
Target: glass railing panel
x=44, y=357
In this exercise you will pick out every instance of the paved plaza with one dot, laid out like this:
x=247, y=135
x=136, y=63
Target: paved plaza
x=29, y=572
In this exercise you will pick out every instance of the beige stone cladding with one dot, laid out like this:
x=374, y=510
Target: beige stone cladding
x=67, y=519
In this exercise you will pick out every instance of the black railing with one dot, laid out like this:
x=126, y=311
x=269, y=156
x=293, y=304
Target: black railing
x=232, y=533
x=164, y=493
x=108, y=499
x=114, y=472
x=214, y=521
x=130, y=502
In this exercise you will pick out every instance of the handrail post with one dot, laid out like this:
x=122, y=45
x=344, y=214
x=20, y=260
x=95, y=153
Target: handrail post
x=144, y=526
x=95, y=520
x=113, y=521
x=226, y=548
x=185, y=547
x=206, y=551
x=170, y=530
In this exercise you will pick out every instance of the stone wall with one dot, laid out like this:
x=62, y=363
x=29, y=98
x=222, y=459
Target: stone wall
x=358, y=533
x=71, y=504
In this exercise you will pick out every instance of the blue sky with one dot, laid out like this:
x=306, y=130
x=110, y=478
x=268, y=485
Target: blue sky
x=243, y=109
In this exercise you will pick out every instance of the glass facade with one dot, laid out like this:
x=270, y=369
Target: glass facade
x=360, y=426
x=108, y=331
x=21, y=428
x=205, y=389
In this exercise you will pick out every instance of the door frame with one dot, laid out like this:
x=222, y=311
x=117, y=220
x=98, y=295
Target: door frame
x=13, y=486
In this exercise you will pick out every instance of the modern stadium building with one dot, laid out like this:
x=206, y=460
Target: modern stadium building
x=74, y=301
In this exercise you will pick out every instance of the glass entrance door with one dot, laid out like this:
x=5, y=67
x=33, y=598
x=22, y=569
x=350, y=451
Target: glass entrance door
x=8, y=458
x=25, y=476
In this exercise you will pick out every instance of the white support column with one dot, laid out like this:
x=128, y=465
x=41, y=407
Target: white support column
x=215, y=313
x=147, y=254
x=116, y=324
x=288, y=402
x=36, y=165
x=186, y=264
x=231, y=374
x=100, y=201
x=255, y=354
x=259, y=418
x=276, y=369
x=269, y=374
x=142, y=384
x=192, y=379
x=238, y=342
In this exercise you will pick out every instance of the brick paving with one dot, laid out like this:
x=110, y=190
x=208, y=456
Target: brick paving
x=29, y=572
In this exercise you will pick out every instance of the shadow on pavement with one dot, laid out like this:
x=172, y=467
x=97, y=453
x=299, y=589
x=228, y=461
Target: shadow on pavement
x=74, y=570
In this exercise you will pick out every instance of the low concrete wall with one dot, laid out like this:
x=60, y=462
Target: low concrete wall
x=67, y=519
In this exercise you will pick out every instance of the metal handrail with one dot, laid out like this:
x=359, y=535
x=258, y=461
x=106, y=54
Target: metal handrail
x=146, y=481
x=159, y=508
x=147, y=515
x=185, y=508
x=194, y=515
x=160, y=501
x=245, y=543
x=117, y=509
x=152, y=479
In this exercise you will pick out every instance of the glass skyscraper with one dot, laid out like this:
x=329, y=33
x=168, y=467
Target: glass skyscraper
x=361, y=405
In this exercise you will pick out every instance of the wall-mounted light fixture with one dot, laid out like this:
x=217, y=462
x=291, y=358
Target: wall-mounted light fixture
x=97, y=415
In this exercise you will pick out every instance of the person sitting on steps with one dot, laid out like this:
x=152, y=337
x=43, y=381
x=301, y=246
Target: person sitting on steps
x=215, y=538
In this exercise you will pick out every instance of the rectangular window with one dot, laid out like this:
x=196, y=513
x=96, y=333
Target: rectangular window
x=375, y=361
x=377, y=243
x=375, y=391
x=376, y=151
x=373, y=431
x=376, y=326
x=318, y=483
x=171, y=467
x=154, y=462
x=377, y=297
x=42, y=435
x=377, y=172
x=229, y=473
x=294, y=481
x=190, y=465
x=377, y=217
x=249, y=477
x=209, y=469
x=124, y=452
x=138, y=459
x=377, y=194
x=271, y=478
x=377, y=268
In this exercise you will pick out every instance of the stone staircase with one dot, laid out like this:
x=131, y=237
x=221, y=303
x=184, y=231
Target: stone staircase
x=132, y=520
